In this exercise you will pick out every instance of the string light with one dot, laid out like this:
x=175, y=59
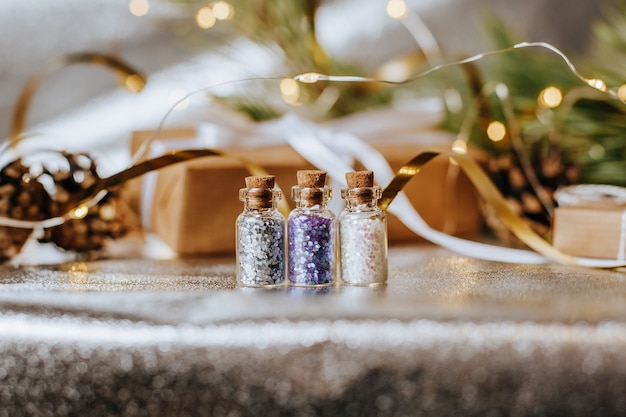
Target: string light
x=80, y=212
x=598, y=84
x=595, y=83
x=550, y=97
x=396, y=70
x=496, y=131
x=223, y=10
x=290, y=91
x=309, y=77
x=205, y=18
x=397, y=9
x=139, y=7
x=621, y=92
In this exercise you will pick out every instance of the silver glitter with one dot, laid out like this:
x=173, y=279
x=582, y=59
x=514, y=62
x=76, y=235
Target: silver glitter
x=261, y=250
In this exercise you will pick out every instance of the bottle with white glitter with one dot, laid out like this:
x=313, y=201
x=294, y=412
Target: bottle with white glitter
x=362, y=232
x=260, y=235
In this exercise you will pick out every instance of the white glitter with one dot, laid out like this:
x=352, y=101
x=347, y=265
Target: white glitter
x=363, y=248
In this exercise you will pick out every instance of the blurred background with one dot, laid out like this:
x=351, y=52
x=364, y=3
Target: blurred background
x=532, y=123
x=162, y=39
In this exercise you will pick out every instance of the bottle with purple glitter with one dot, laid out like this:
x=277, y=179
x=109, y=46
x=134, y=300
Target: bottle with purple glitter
x=260, y=235
x=311, y=232
x=362, y=232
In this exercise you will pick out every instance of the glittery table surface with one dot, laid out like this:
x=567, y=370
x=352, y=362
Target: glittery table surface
x=448, y=336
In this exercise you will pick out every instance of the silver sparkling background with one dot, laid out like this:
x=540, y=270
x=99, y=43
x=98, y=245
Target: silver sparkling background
x=447, y=336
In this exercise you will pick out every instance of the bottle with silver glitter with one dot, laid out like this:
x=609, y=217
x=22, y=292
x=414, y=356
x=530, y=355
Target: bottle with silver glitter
x=312, y=232
x=362, y=232
x=260, y=235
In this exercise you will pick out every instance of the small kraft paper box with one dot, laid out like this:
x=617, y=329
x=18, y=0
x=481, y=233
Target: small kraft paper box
x=590, y=232
x=194, y=204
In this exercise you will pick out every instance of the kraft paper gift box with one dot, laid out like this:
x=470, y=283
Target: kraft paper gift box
x=590, y=232
x=195, y=204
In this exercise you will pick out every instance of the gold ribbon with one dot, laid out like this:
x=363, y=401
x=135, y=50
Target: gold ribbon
x=134, y=81
x=170, y=158
x=485, y=188
x=127, y=76
x=93, y=194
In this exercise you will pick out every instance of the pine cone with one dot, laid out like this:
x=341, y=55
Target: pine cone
x=47, y=194
x=109, y=219
x=507, y=174
x=22, y=197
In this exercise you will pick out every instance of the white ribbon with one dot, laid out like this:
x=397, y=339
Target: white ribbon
x=333, y=148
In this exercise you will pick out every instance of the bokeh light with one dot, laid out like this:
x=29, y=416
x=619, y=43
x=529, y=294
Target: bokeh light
x=290, y=91
x=496, y=131
x=397, y=9
x=596, y=152
x=205, y=18
x=139, y=7
x=550, y=97
x=80, y=212
x=621, y=92
x=223, y=11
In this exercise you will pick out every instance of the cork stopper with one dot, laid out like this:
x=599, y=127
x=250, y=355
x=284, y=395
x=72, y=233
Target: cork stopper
x=361, y=188
x=360, y=179
x=260, y=181
x=259, y=194
x=311, y=182
x=311, y=178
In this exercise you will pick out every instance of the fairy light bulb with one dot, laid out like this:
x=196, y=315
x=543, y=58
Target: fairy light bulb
x=550, y=97
x=621, y=92
x=496, y=131
x=395, y=70
x=598, y=84
x=290, y=91
x=80, y=212
x=308, y=77
x=205, y=18
x=397, y=9
x=139, y=7
x=223, y=10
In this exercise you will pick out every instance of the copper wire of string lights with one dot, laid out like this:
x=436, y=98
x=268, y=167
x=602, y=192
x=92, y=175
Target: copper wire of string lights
x=596, y=83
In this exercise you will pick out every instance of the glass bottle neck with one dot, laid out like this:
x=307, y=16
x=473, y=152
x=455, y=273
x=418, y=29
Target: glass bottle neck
x=311, y=198
x=259, y=199
x=361, y=199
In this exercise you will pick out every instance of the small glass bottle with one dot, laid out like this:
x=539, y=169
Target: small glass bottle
x=362, y=232
x=260, y=235
x=312, y=232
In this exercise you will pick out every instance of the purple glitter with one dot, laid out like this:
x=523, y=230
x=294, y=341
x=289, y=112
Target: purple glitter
x=311, y=249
